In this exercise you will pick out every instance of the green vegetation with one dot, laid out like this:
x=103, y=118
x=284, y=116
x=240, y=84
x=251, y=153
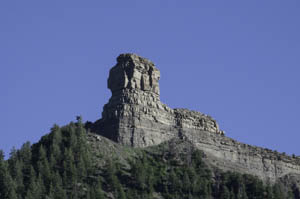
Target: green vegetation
x=59, y=166
x=62, y=166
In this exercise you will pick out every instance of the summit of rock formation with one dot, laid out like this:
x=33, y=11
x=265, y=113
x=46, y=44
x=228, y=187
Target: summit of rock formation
x=135, y=116
x=134, y=72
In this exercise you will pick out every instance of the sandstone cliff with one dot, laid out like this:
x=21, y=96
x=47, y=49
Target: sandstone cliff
x=135, y=116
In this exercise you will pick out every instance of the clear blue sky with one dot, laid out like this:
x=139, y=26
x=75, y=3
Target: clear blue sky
x=238, y=61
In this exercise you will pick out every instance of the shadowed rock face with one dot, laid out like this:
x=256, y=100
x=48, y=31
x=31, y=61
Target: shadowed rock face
x=135, y=116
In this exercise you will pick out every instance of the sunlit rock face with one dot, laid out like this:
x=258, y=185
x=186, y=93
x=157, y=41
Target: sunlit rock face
x=135, y=116
x=134, y=72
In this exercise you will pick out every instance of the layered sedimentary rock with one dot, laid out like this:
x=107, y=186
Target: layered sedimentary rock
x=228, y=154
x=136, y=117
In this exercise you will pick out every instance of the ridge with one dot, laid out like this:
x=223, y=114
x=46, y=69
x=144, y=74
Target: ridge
x=135, y=117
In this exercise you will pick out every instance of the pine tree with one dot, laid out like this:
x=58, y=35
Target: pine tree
x=59, y=192
x=43, y=170
x=139, y=174
x=120, y=194
x=186, y=182
x=278, y=191
x=242, y=192
x=290, y=194
x=27, y=170
x=150, y=180
x=15, y=168
x=7, y=186
x=225, y=193
x=33, y=191
x=174, y=182
x=69, y=168
x=269, y=192
x=98, y=191
x=55, y=145
x=33, y=188
x=110, y=175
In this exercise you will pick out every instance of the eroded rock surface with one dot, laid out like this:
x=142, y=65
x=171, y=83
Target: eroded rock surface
x=135, y=116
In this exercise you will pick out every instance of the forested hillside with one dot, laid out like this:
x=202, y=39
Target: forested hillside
x=65, y=164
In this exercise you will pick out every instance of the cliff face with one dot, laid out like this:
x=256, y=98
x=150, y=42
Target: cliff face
x=136, y=117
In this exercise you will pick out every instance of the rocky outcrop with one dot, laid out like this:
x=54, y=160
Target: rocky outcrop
x=135, y=116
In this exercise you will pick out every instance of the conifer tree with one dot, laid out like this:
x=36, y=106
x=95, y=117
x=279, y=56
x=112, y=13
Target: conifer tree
x=69, y=168
x=120, y=194
x=186, y=182
x=110, y=175
x=55, y=144
x=27, y=170
x=225, y=193
x=43, y=170
x=278, y=191
x=15, y=168
x=98, y=191
x=174, y=182
x=7, y=186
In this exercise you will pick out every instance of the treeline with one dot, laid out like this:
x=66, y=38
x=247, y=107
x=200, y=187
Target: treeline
x=59, y=166
x=62, y=166
x=173, y=179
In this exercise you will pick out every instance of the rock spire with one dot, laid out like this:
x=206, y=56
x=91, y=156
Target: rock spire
x=135, y=116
